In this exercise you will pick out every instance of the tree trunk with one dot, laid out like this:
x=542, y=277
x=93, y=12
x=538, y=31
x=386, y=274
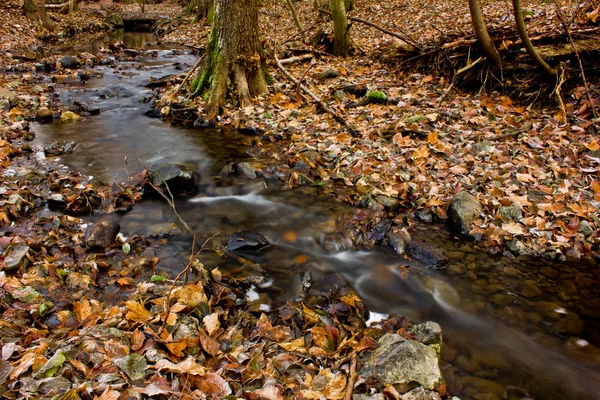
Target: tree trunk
x=233, y=50
x=340, y=28
x=201, y=9
x=527, y=43
x=35, y=10
x=295, y=15
x=483, y=36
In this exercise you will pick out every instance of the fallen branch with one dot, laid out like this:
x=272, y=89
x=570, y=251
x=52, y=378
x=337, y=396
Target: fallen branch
x=324, y=106
x=352, y=376
x=469, y=66
x=312, y=64
x=585, y=83
x=404, y=37
x=296, y=58
x=189, y=74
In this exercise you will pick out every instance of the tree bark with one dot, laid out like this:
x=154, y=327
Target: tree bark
x=340, y=27
x=35, y=10
x=527, y=43
x=233, y=51
x=482, y=35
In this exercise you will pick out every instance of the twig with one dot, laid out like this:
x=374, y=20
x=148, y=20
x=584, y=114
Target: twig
x=171, y=201
x=352, y=376
x=193, y=256
x=312, y=63
x=189, y=74
x=560, y=80
x=404, y=37
x=585, y=83
x=324, y=106
x=297, y=58
x=471, y=65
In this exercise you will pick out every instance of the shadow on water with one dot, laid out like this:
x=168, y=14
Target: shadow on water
x=514, y=328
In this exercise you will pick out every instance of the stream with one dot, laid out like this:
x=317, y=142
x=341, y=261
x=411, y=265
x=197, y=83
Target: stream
x=513, y=328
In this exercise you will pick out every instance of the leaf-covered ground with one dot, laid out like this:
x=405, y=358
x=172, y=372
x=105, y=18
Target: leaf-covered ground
x=428, y=140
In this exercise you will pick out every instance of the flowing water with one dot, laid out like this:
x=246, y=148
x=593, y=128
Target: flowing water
x=513, y=328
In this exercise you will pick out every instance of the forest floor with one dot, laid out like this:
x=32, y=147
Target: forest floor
x=74, y=321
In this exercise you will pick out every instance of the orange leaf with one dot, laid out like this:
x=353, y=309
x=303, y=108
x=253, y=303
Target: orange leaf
x=137, y=312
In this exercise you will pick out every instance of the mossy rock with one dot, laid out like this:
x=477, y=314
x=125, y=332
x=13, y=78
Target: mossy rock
x=377, y=97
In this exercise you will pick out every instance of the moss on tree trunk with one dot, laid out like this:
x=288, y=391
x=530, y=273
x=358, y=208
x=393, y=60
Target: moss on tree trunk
x=233, y=51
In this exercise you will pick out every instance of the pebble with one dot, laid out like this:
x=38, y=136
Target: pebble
x=511, y=272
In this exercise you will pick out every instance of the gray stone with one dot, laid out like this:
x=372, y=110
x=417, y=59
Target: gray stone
x=178, y=178
x=510, y=213
x=69, y=62
x=246, y=170
x=427, y=333
x=14, y=259
x=246, y=241
x=464, y=209
x=421, y=394
x=339, y=95
x=398, y=239
x=516, y=247
x=101, y=234
x=377, y=396
x=252, y=187
x=388, y=203
x=427, y=253
x=404, y=363
x=585, y=228
x=13, y=99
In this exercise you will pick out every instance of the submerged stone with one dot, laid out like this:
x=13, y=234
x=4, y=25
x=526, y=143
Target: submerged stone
x=427, y=253
x=246, y=241
x=178, y=178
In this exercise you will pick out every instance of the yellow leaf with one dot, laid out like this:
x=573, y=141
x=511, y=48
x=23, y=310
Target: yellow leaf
x=593, y=16
x=192, y=295
x=290, y=236
x=137, y=312
x=432, y=138
x=593, y=145
x=187, y=366
x=295, y=345
x=82, y=309
x=211, y=322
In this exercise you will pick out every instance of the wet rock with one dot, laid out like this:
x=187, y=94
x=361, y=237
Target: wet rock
x=249, y=131
x=246, y=241
x=101, y=234
x=456, y=269
x=56, y=201
x=252, y=187
x=44, y=115
x=178, y=178
x=585, y=228
x=424, y=216
x=246, y=170
x=427, y=253
x=388, y=203
x=398, y=239
x=159, y=82
x=69, y=62
x=153, y=113
x=69, y=116
x=570, y=324
x=429, y=333
x=379, y=231
x=464, y=209
x=11, y=97
x=530, y=290
x=549, y=272
x=14, y=259
x=403, y=363
x=511, y=272
x=516, y=247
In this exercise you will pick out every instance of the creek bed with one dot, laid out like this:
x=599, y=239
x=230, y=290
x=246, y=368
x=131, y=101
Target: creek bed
x=513, y=328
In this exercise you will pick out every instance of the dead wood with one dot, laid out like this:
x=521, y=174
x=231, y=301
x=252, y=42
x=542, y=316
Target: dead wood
x=352, y=130
x=296, y=58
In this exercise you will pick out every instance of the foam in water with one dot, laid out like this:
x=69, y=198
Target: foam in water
x=251, y=198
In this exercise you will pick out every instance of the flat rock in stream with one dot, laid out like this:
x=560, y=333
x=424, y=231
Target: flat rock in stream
x=403, y=363
x=246, y=241
x=178, y=178
x=427, y=253
x=101, y=234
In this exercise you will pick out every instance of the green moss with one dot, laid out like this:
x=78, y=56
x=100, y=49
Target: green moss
x=377, y=96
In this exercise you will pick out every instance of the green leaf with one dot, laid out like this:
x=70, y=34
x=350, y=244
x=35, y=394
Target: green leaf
x=157, y=278
x=126, y=248
x=52, y=365
x=134, y=366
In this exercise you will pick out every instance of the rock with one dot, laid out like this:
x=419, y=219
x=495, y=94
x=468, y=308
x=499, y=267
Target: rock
x=328, y=74
x=511, y=272
x=424, y=216
x=377, y=396
x=56, y=201
x=178, y=178
x=570, y=324
x=256, y=186
x=585, y=228
x=388, y=203
x=421, y=394
x=379, y=231
x=248, y=131
x=549, y=272
x=530, y=290
x=404, y=363
x=69, y=62
x=101, y=234
x=456, y=269
x=427, y=253
x=516, y=247
x=13, y=99
x=427, y=333
x=509, y=214
x=44, y=115
x=464, y=209
x=246, y=241
x=398, y=239
x=339, y=95
x=14, y=259
x=246, y=170
x=69, y=116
